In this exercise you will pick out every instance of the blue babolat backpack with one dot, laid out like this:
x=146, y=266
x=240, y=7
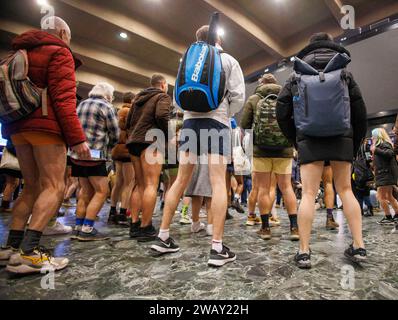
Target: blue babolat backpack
x=322, y=104
x=200, y=84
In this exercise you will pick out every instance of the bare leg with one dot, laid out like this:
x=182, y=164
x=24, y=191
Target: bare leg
x=185, y=170
x=311, y=175
x=128, y=183
x=196, y=206
x=23, y=206
x=117, y=188
x=151, y=174
x=219, y=204
x=51, y=163
x=138, y=190
x=352, y=211
x=253, y=194
x=101, y=188
x=85, y=196
x=289, y=198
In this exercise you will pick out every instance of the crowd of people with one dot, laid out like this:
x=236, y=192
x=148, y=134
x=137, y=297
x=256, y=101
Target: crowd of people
x=281, y=149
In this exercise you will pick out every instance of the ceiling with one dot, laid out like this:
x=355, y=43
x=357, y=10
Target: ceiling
x=257, y=32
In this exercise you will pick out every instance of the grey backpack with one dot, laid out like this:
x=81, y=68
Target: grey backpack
x=322, y=104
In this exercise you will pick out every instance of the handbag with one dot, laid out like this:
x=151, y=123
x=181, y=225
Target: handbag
x=242, y=166
x=9, y=161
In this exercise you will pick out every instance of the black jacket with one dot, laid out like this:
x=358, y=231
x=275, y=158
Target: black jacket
x=342, y=148
x=386, y=167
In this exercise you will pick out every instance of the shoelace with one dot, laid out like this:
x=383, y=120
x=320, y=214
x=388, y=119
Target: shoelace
x=44, y=251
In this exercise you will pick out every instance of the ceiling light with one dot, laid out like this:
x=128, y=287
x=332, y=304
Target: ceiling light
x=220, y=32
x=123, y=35
x=42, y=2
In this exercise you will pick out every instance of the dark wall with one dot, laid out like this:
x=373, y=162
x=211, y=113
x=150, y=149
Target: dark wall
x=375, y=68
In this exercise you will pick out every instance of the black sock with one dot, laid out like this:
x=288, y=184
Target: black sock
x=329, y=213
x=15, y=238
x=5, y=204
x=30, y=241
x=113, y=211
x=123, y=212
x=293, y=221
x=265, y=221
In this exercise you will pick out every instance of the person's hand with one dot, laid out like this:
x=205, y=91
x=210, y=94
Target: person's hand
x=82, y=150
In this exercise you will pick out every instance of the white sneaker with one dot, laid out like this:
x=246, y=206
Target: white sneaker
x=185, y=220
x=5, y=255
x=395, y=230
x=57, y=229
x=198, y=228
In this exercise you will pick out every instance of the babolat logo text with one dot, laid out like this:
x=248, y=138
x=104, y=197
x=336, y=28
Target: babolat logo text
x=198, y=65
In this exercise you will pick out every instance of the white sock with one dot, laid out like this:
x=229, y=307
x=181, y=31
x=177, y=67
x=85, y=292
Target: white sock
x=87, y=229
x=164, y=234
x=217, y=245
x=209, y=229
x=196, y=226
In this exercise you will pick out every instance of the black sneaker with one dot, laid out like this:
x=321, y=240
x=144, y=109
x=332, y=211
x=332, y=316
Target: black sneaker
x=75, y=233
x=163, y=247
x=395, y=219
x=147, y=234
x=303, y=261
x=237, y=206
x=135, y=229
x=122, y=220
x=112, y=219
x=386, y=221
x=221, y=259
x=229, y=216
x=356, y=255
x=94, y=235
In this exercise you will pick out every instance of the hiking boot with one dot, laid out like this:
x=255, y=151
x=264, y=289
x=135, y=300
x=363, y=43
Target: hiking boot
x=294, y=234
x=265, y=234
x=237, y=206
x=331, y=224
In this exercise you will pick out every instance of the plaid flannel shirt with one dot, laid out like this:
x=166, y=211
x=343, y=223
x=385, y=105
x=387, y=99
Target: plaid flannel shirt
x=100, y=124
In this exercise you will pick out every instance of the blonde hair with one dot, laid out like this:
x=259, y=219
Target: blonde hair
x=381, y=135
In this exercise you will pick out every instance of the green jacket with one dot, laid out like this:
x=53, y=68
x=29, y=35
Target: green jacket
x=247, y=121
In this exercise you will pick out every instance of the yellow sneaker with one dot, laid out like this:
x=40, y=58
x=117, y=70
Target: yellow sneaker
x=251, y=221
x=274, y=222
x=40, y=259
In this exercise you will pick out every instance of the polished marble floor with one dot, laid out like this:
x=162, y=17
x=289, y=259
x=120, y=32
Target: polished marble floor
x=123, y=269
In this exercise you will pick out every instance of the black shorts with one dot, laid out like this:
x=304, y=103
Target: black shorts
x=125, y=160
x=136, y=149
x=85, y=171
x=217, y=143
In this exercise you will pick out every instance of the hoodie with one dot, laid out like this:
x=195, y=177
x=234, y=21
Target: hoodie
x=51, y=66
x=247, y=122
x=150, y=110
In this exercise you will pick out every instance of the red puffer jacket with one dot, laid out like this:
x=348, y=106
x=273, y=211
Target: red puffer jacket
x=51, y=65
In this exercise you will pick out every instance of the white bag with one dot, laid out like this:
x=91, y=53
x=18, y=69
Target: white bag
x=242, y=166
x=9, y=161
